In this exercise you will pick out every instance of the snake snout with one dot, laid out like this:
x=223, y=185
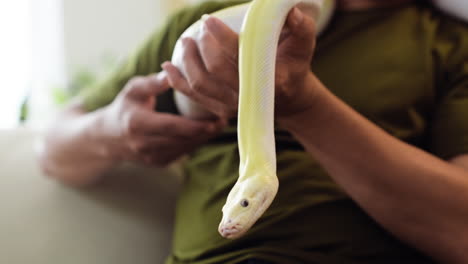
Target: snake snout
x=230, y=230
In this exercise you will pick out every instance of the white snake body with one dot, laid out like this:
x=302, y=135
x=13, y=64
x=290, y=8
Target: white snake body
x=259, y=24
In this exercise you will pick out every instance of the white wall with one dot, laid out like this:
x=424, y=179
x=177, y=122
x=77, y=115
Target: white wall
x=75, y=35
x=15, y=58
x=47, y=61
x=116, y=27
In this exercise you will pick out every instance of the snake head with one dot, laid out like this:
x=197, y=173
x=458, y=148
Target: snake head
x=246, y=203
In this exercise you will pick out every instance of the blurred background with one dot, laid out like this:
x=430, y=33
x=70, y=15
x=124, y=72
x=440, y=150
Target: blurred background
x=51, y=48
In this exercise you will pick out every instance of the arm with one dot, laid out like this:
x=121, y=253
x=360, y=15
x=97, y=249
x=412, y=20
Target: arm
x=98, y=132
x=418, y=197
x=80, y=146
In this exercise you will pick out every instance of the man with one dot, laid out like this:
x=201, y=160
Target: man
x=372, y=140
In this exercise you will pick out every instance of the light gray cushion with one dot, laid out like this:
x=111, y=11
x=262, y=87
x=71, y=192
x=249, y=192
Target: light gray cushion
x=128, y=219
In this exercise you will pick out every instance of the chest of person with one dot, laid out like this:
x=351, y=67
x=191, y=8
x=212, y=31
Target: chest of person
x=381, y=65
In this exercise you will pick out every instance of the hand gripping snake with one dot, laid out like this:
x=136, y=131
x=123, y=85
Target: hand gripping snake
x=259, y=24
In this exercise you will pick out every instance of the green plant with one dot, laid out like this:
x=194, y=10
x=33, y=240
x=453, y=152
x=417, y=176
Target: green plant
x=79, y=80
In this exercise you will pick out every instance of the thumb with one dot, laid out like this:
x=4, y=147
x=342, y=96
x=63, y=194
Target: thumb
x=142, y=88
x=301, y=32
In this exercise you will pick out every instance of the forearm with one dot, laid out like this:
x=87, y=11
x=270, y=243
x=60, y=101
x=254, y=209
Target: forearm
x=418, y=197
x=75, y=151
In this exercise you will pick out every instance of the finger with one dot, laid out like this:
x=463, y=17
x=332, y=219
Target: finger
x=218, y=59
x=199, y=79
x=141, y=88
x=149, y=144
x=301, y=33
x=159, y=81
x=178, y=82
x=176, y=126
x=182, y=127
x=170, y=149
x=191, y=58
x=223, y=34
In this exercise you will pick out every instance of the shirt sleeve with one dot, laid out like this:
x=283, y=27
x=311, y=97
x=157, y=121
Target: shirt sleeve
x=148, y=58
x=449, y=133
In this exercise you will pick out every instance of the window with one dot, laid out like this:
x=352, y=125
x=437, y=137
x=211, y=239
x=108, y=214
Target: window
x=15, y=59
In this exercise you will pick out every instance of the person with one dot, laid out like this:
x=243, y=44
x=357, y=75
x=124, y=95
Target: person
x=372, y=137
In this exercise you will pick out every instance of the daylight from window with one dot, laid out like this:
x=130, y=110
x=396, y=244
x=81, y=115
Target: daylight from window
x=15, y=59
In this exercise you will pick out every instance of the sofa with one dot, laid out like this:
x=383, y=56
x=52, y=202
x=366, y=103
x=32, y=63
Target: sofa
x=125, y=219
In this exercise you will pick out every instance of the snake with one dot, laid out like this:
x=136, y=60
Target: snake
x=259, y=24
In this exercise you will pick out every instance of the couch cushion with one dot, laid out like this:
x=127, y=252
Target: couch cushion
x=127, y=219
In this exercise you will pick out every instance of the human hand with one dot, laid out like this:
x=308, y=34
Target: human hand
x=209, y=74
x=137, y=133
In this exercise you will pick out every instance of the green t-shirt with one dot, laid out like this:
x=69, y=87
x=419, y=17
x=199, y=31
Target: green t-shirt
x=405, y=68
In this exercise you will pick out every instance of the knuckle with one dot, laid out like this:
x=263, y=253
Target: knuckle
x=134, y=146
x=177, y=82
x=139, y=146
x=215, y=65
x=132, y=84
x=196, y=85
x=136, y=81
x=224, y=113
x=191, y=93
x=130, y=125
x=281, y=78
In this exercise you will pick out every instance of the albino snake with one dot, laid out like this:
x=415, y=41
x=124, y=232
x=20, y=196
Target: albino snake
x=259, y=24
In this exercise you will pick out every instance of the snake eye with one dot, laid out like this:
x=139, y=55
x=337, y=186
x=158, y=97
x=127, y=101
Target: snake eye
x=244, y=203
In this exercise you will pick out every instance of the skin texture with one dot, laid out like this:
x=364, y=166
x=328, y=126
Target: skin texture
x=413, y=194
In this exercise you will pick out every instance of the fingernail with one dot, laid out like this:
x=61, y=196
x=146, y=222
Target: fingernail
x=164, y=64
x=184, y=40
x=205, y=17
x=297, y=16
x=211, y=24
x=161, y=76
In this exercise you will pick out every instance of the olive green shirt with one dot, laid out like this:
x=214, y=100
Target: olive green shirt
x=405, y=68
